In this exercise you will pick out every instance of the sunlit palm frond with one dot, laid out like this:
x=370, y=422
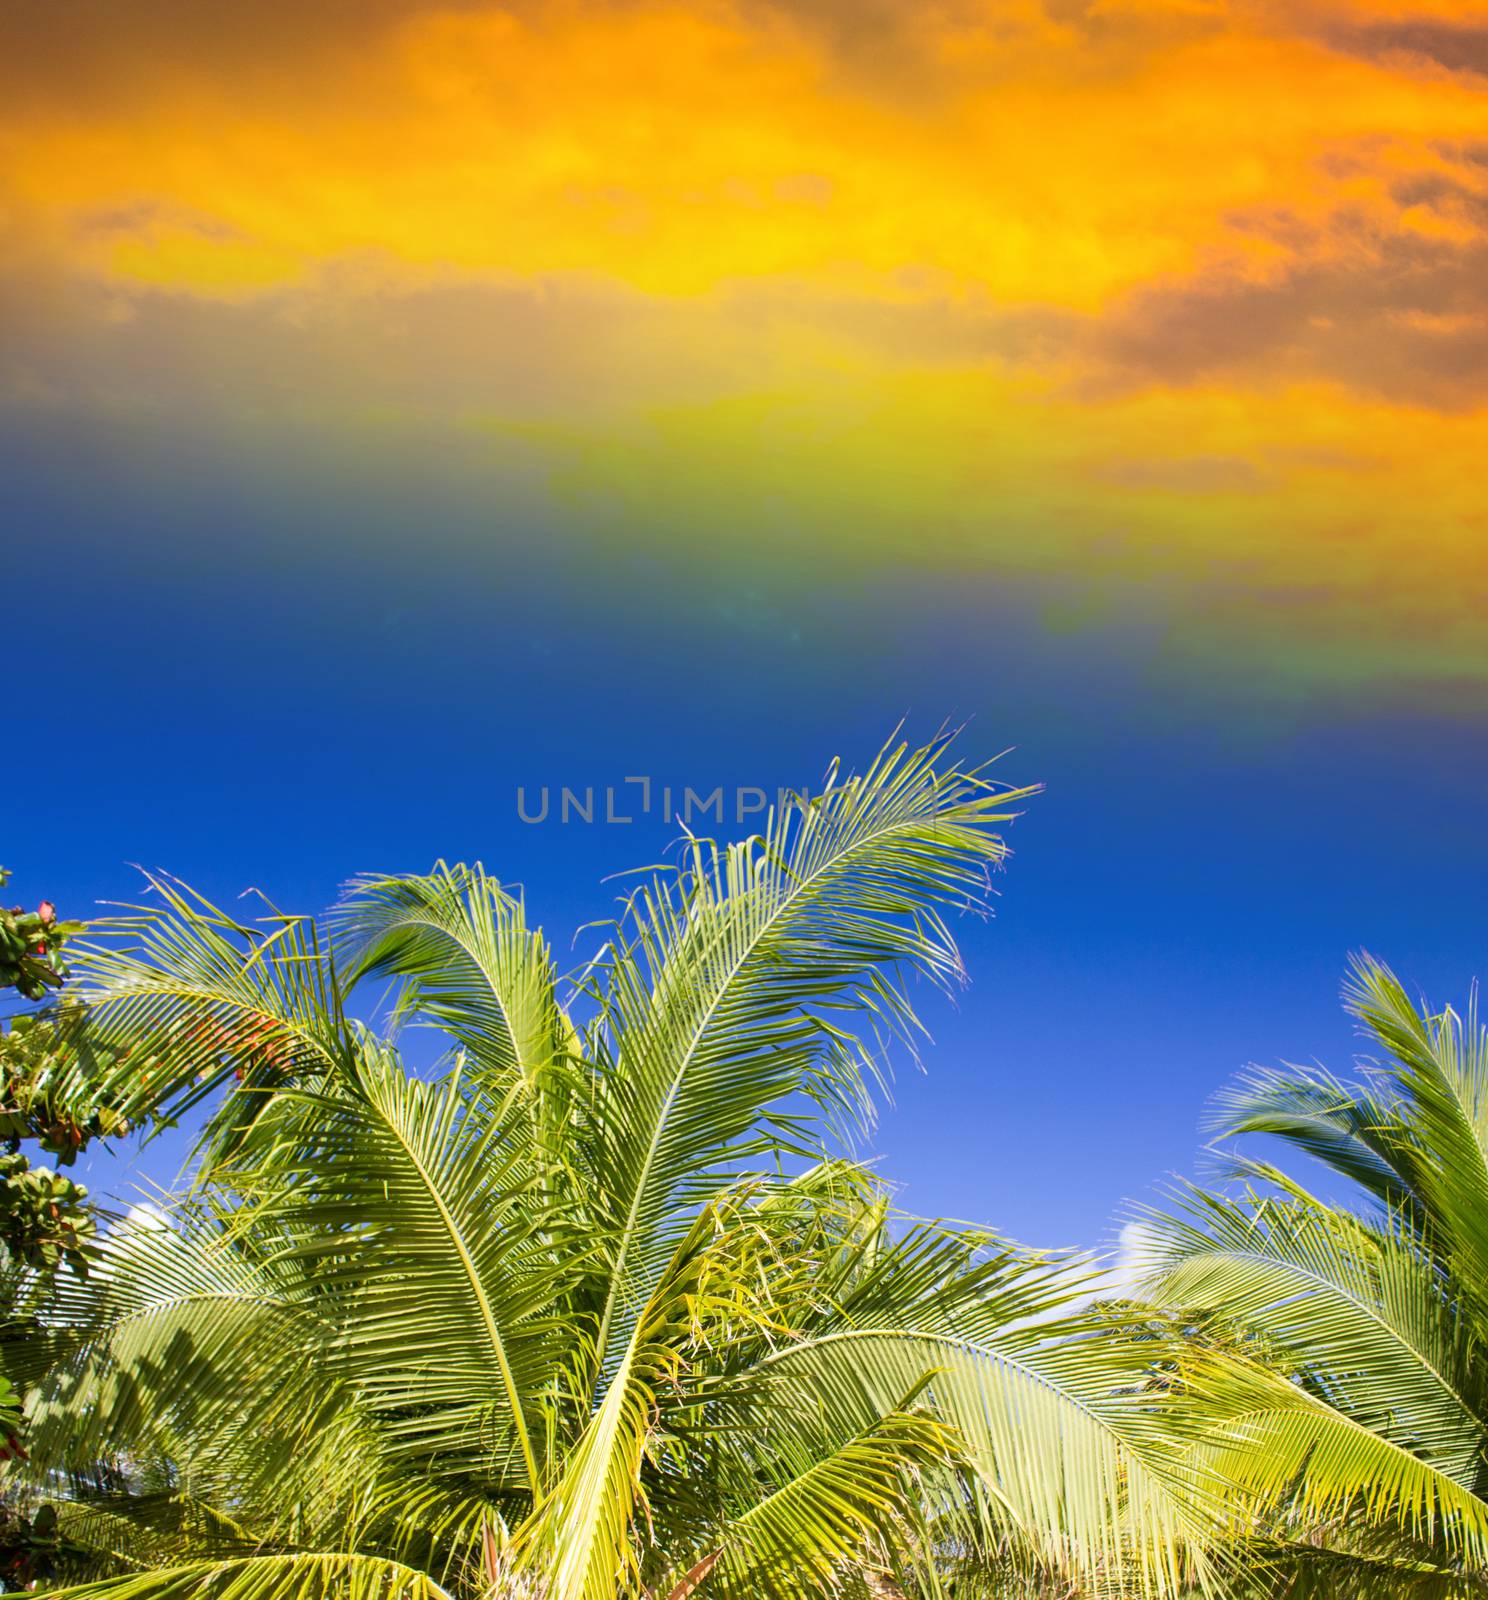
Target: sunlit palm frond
x=1439, y=1065
x=117, y=1533
x=189, y=1366
x=578, y=1544
x=1062, y=1448
x=1360, y=1311
x=1354, y=1128
x=182, y=998
x=1347, y=1562
x=177, y=1335
x=826, y=1506
x=1277, y=1445
x=1344, y=1403
x=1073, y=1452
x=766, y=970
x=471, y=965
x=402, y=1198
x=309, y=1575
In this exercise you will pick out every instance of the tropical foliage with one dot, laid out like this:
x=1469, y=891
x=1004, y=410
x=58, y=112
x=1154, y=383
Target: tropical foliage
x=43, y=1215
x=1348, y=1398
x=599, y=1305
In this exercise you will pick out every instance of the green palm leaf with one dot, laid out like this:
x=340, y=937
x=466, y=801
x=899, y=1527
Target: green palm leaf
x=1360, y=1309
x=1340, y=1373
x=1352, y=1128
x=718, y=999
x=1276, y=1445
x=1441, y=1071
x=184, y=998
x=836, y=1504
x=405, y=1200
x=1069, y=1453
x=471, y=965
x=297, y=1576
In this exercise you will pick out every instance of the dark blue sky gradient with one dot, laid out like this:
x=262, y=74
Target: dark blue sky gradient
x=281, y=679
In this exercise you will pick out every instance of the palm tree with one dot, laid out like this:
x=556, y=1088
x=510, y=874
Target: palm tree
x=599, y=1306
x=1340, y=1352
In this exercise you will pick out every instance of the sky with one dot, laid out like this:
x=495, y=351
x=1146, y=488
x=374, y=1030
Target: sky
x=404, y=403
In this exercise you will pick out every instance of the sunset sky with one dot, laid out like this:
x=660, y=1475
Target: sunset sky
x=402, y=402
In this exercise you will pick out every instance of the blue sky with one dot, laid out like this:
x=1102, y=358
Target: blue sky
x=281, y=684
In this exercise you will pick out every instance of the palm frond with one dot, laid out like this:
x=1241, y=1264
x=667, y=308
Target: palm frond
x=577, y=1545
x=298, y=1576
x=1362, y=1312
x=181, y=998
x=770, y=969
x=1440, y=1065
x=178, y=1338
x=470, y=965
x=403, y=1199
x=1354, y=1128
x=1277, y=1445
x=835, y=1505
x=1073, y=1449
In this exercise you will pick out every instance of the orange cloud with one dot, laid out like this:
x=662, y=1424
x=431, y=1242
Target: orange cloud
x=674, y=148
x=1179, y=293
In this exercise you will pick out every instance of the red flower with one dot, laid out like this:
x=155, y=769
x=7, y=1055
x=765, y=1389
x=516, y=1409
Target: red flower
x=47, y=912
